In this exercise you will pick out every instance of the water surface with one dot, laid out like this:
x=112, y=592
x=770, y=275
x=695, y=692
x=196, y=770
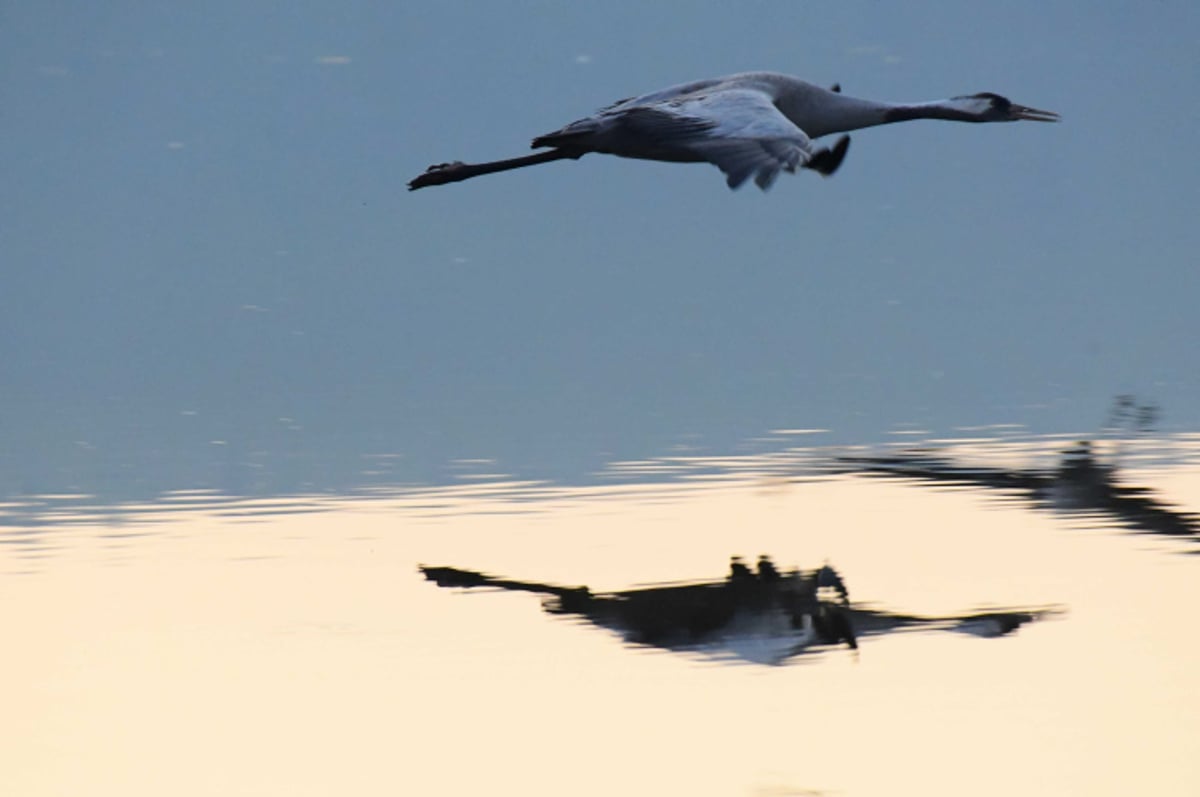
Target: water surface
x=202, y=644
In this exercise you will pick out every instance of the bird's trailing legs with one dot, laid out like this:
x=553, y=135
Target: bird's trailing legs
x=442, y=173
x=823, y=161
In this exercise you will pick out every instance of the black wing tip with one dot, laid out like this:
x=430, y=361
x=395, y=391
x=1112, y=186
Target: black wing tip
x=826, y=161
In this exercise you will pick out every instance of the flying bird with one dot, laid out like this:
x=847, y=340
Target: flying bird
x=753, y=124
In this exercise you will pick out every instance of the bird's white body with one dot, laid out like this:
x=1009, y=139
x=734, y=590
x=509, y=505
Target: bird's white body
x=752, y=124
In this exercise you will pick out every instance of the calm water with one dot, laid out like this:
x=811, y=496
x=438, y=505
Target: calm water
x=201, y=644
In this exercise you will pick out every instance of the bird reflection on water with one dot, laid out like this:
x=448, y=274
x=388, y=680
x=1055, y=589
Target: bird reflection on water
x=758, y=615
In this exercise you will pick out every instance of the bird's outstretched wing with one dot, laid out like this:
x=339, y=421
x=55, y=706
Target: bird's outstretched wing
x=662, y=95
x=739, y=130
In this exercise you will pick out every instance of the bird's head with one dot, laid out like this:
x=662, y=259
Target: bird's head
x=989, y=107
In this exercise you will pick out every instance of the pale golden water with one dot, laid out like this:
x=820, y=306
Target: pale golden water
x=205, y=646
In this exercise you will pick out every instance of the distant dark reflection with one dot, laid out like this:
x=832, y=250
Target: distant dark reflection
x=759, y=615
x=1081, y=483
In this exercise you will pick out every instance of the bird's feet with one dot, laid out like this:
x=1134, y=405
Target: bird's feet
x=436, y=174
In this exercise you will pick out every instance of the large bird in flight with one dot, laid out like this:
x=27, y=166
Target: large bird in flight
x=749, y=125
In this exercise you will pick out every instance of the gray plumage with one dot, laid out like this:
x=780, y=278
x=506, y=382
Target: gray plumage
x=750, y=125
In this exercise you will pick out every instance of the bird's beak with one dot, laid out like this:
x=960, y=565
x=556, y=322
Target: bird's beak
x=1032, y=114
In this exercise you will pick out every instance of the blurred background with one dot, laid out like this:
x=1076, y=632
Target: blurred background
x=214, y=276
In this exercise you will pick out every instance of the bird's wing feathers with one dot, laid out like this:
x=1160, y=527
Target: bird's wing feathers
x=763, y=160
x=661, y=125
x=739, y=130
x=663, y=95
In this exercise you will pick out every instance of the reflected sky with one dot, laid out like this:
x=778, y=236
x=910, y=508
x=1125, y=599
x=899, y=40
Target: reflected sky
x=220, y=646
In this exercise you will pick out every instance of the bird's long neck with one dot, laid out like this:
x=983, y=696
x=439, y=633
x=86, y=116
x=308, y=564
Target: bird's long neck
x=954, y=110
x=837, y=113
x=818, y=112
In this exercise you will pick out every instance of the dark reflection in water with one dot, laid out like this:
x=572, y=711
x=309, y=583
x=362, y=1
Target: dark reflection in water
x=1081, y=484
x=759, y=615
